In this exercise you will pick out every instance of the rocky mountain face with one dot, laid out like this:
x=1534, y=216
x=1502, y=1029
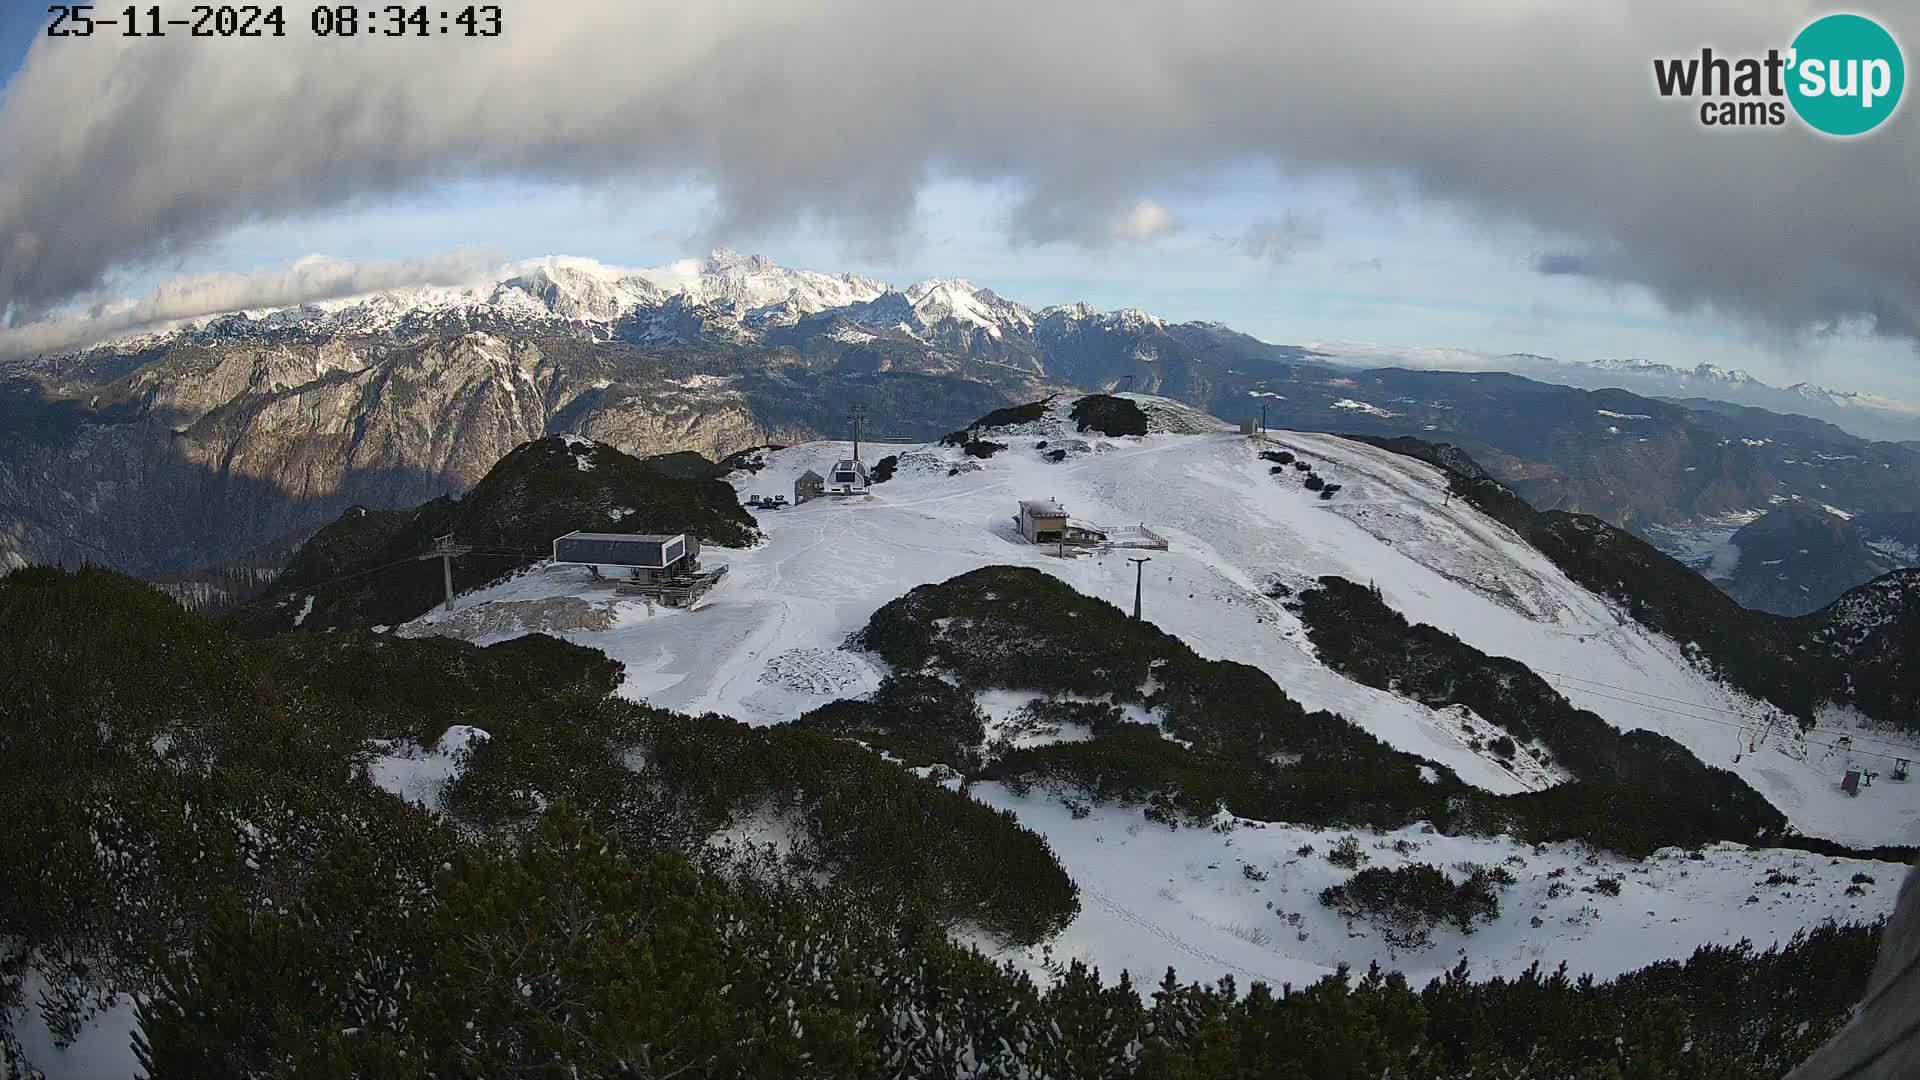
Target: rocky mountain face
x=170, y=453
x=1795, y=559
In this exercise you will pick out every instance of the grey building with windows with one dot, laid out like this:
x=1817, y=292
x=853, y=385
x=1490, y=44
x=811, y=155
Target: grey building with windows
x=648, y=554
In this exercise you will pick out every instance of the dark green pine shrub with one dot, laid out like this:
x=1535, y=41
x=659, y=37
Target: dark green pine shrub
x=920, y=719
x=1406, y=903
x=1010, y=416
x=883, y=469
x=982, y=448
x=1346, y=852
x=1109, y=415
x=1252, y=748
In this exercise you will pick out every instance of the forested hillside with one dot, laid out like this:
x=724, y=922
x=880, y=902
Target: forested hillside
x=190, y=821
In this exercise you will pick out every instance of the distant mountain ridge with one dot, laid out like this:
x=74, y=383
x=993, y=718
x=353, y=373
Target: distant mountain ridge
x=1870, y=416
x=726, y=296
x=173, y=452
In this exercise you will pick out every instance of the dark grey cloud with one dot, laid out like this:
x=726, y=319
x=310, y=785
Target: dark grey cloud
x=121, y=151
x=1563, y=262
x=1278, y=240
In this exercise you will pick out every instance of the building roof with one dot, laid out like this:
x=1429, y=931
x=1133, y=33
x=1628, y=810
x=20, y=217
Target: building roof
x=850, y=463
x=1042, y=508
x=811, y=473
x=638, y=538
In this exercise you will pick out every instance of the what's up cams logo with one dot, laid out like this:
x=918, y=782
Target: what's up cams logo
x=1843, y=75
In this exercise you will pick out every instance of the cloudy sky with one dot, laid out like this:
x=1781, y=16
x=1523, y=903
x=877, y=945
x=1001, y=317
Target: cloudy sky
x=1481, y=175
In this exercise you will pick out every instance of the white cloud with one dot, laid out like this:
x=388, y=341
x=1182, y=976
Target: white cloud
x=1145, y=220
x=182, y=299
x=1428, y=357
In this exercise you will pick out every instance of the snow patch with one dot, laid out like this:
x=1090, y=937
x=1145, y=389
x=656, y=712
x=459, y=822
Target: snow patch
x=1242, y=897
x=402, y=767
x=1352, y=405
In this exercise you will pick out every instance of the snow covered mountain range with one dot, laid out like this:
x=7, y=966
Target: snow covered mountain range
x=724, y=297
x=201, y=448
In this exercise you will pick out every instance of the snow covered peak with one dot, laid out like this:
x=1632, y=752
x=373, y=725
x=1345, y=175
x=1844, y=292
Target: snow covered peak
x=753, y=284
x=1078, y=311
x=1720, y=374
x=942, y=286
x=1136, y=319
x=1821, y=393
x=939, y=299
x=723, y=258
x=578, y=290
x=1704, y=372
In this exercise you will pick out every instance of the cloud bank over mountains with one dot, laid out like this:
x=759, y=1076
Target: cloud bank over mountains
x=178, y=299
x=125, y=152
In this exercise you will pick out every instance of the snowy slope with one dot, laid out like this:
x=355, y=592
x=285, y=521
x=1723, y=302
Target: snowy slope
x=828, y=565
x=768, y=644
x=1151, y=897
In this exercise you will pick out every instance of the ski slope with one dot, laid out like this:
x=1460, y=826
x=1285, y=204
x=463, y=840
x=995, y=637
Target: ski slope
x=768, y=644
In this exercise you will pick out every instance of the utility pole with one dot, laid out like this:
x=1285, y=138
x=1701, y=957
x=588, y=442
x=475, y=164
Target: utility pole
x=446, y=550
x=1263, y=418
x=1139, y=568
x=858, y=414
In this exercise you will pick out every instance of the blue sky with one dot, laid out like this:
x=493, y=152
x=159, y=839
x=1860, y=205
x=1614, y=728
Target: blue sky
x=1386, y=245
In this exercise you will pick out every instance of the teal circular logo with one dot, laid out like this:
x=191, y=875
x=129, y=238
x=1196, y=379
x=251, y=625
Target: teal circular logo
x=1846, y=75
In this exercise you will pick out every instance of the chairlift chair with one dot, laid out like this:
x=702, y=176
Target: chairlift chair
x=1900, y=768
